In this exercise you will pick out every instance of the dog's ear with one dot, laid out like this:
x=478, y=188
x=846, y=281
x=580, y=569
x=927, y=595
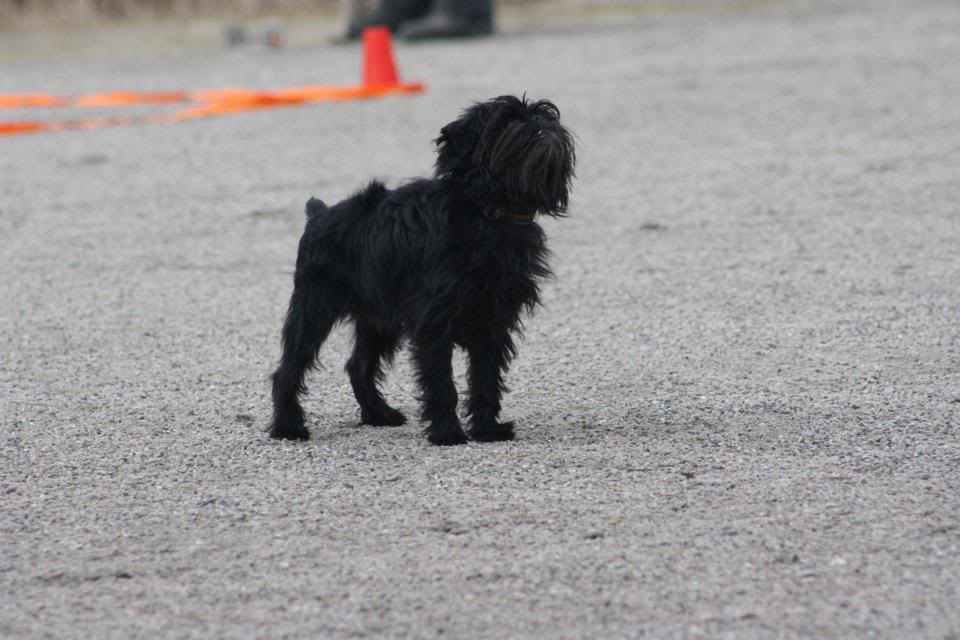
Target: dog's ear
x=456, y=137
x=457, y=145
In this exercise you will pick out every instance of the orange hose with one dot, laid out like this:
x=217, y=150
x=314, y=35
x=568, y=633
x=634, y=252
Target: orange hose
x=123, y=98
x=208, y=103
x=10, y=128
x=16, y=101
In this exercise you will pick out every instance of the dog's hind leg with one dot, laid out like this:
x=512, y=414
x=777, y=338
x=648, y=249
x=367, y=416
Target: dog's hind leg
x=432, y=355
x=489, y=360
x=364, y=366
x=310, y=318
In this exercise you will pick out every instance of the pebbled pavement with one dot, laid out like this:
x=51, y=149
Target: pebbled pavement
x=737, y=411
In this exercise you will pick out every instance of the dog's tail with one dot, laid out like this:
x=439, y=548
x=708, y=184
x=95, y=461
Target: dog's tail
x=315, y=208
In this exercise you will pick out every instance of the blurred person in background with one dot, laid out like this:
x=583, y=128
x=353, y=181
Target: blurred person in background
x=422, y=19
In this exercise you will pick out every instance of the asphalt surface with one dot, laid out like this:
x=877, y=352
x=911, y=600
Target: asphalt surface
x=737, y=410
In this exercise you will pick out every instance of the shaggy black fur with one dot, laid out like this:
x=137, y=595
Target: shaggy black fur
x=449, y=261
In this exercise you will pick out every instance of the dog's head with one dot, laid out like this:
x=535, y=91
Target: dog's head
x=511, y=153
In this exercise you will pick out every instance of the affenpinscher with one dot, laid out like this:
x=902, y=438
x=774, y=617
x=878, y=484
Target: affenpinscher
x=443, y=261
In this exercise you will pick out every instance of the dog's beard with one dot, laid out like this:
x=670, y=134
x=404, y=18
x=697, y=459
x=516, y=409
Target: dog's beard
x=534, y=166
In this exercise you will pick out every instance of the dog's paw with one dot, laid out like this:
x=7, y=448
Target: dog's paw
x=447, y=438
x=493, y=433
x=387, y=417
x=280, y=431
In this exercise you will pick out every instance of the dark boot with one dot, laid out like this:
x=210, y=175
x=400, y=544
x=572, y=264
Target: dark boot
x=451, y=19
x=388, y=13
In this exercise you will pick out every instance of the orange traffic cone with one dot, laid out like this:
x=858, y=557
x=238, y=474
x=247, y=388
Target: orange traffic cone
x=378, y=65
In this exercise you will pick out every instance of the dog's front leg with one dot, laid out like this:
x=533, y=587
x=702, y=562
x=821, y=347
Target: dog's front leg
x=489, y=360
x=432, y=355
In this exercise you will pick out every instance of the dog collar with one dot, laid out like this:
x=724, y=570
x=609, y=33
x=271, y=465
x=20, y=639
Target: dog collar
x=513, y=217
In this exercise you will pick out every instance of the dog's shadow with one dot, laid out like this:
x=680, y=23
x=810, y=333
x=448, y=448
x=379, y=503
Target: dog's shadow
x=323, y=429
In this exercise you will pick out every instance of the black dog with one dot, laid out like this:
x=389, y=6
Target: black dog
x=452, y=260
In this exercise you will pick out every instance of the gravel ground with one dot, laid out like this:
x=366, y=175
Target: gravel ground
x=737, y=409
